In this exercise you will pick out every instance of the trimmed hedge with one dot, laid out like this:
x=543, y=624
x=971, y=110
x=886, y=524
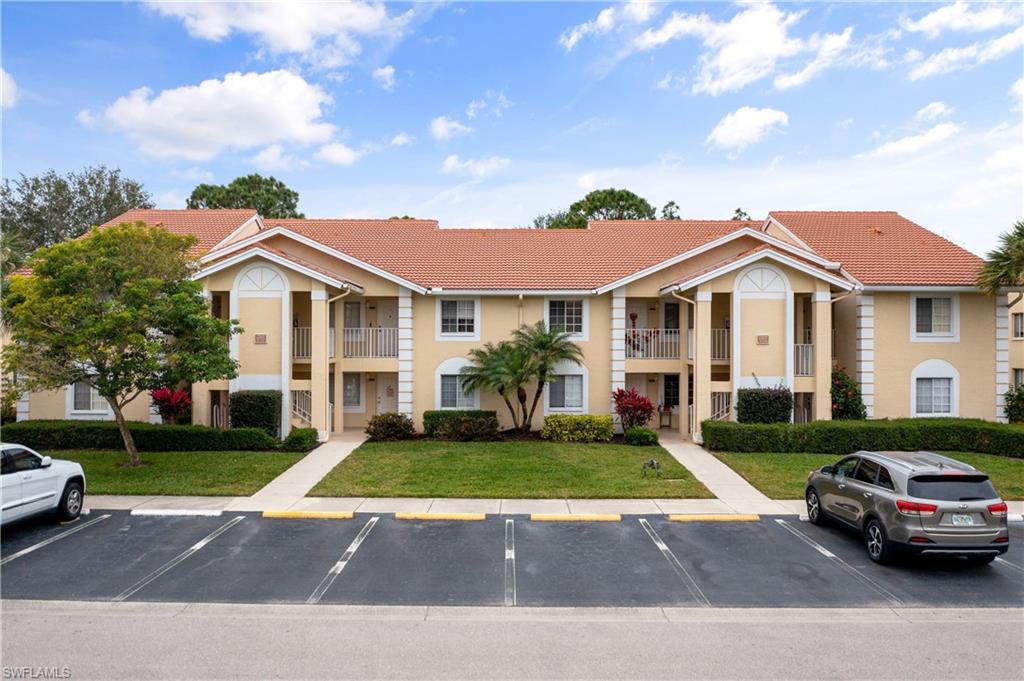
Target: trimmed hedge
x=433, y=420
x=578, y=428
x=845, y=437
x=390, y=425
x=149, y=437
x=301, y=440
x=469, y=428
x=256, y=409
x=764, y=405
x=638, y=436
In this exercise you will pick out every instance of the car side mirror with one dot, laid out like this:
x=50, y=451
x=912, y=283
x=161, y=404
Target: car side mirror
x=827, y=470
x=46, y=463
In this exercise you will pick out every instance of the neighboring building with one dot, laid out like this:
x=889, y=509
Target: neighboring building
x=348, y=318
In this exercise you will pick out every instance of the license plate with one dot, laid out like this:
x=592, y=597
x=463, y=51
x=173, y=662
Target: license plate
x=963, y=519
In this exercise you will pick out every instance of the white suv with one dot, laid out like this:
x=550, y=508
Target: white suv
x=33, y=483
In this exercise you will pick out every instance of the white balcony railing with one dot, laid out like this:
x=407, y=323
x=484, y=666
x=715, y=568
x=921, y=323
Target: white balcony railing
x=803, y=359
x=689, y=348
x=330, y=342
x=302, y=342
x=719, y=344
x=652, y=343
x=380, y=341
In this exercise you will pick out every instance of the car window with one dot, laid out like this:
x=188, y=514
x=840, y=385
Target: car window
x=884, y=479
x=951, y=487
x=7, y=466
x=866, y=471
x=23, y=460
x=845, y=467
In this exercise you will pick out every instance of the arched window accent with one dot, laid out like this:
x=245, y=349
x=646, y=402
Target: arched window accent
x=260, y=279
x=448, y=389
x=935, y=389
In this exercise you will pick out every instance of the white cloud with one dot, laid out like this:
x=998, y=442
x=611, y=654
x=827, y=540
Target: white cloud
x=171, y=199
x=444, y=128
x=960, y=17
x=635, y=12
x=493, y=101
x=402, y=139
x=324, y=34
x=587, y=181
x=933, y=112
x=745, y=126
x=1017, y=92
x=479, y=167
x=964, y=58
x=830, y=48
x=670, y=81
x=338, y=154
x=914, y=143
x=385, y=76
x=194, y=173
x=8, y=90
x=273, y=158
x=198, y=122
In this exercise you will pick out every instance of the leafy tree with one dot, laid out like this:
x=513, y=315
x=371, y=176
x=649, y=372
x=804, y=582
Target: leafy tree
x=1014, y=408
x=847, y=402
x=1004, y=267
x=268, y=196
x=740, y=214
x=118, y=310
x=546, y=348
x=49, y=208
x=505, y=369
x=670, y=211
x=600, y=204
x=560, y=219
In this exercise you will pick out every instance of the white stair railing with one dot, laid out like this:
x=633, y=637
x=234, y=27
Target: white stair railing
x=302, y=405
x=721, y=406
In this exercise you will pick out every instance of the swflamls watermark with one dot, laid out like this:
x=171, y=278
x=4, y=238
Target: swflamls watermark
x=36, y=672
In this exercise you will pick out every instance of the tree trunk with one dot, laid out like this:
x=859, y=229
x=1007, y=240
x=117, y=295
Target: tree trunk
x=533, y=407
x=126, y=435
x=511, y=409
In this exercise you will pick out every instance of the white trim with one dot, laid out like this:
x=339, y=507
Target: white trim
x=447, y=337
x=361, y=407
x=738, y=296
x=585, y=335
x=312, y=243
x=1003, y=374
x=865, y=368
x=453, y=365
x=753, y=258
x=278, y=260
x=772, y=221
x=954, y=317
x=105, y=414
x=226, y=240
x=936, y=368
x=569, y=369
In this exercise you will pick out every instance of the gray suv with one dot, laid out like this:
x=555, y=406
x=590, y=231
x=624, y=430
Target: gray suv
x=911, y=502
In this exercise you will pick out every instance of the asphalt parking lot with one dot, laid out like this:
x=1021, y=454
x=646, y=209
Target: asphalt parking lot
x=777, y=561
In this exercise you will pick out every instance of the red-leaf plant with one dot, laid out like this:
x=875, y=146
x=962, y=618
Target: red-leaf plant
x=170, y=403
x=633, y=408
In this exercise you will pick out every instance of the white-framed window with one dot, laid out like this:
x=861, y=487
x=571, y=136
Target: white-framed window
x=352, y=391
x=1018, y=378
x=85, y=398
x=935, y=318
x=458, y=319
x=1018, y=324
x=566, y=392
x=448, y=392
x=571, y=315
x=935, y=389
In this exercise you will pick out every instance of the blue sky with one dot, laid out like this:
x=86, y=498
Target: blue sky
x=486, y=114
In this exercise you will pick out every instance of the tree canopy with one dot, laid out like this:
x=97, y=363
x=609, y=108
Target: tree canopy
x=603, y=204
x=119, y=311
x=1004, y=267
x=46, y=209
x=740, y=214
x=268, y=196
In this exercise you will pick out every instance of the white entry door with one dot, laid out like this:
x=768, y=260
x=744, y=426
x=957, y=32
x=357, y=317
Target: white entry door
x=387, y=393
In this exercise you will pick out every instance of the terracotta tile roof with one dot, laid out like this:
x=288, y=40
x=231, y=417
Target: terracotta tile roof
x=209, y=225
x=417, y=250
x=291, y=258
x=751, y=251
x=883, y=247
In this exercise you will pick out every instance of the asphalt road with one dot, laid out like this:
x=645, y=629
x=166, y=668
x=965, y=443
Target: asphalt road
x=502, y=561
x=141, y=641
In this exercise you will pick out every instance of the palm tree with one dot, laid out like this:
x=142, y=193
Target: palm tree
x=1004, y=267
x=506, y=369
x=546, y=348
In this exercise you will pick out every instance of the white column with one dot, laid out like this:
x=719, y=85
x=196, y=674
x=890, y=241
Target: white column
x=866, y=350
x=1002, y=355
x=405, y=401
x=618, y=339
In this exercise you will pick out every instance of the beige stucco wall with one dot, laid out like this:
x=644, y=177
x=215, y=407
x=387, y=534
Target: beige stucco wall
x=762, y=317
x=52, y=404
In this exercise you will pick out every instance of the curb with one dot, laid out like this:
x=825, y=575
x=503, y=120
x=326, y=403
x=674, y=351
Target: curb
x=340, y=515
x=714, y=517
x=440, y=516
x=210, y=513
x=576, y=517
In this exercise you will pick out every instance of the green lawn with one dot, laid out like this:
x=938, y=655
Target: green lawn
x=179, y=473
x=515, y=469
x=782, y=476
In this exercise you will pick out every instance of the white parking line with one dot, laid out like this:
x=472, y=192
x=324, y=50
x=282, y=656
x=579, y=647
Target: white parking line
x=688, y=581
x=179, y=558
x=177, y=512
x=846, y=567
x=510, y=562
x=49, y=541
x=1003, y=561
x=336, y=569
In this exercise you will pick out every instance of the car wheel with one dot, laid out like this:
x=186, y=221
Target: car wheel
x=980, y=560
x=71, y=501
x=877, y=542
x=814, y=513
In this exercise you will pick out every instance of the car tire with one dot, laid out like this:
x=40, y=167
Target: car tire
x=71, y=501
x=876, y=541
x=815, y=514
x=980, y=560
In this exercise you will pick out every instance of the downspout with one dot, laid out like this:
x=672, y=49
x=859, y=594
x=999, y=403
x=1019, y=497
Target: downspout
x=520, y=309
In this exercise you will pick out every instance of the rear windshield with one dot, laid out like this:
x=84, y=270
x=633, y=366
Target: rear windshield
x=951, y=487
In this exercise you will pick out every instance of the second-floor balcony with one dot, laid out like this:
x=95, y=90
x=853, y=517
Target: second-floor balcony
x=302, y=342
x=720, y=345
x=652, y=343
x=356, y=342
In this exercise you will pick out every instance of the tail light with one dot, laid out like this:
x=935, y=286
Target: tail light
x=921, y=540
x=915, y=508
x=998, y=509
x=1001, y=540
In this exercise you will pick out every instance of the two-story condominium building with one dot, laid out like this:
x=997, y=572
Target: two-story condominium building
x=348, y=318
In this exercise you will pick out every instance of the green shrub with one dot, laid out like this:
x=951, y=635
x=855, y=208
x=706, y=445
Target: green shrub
x=390, y=425
x=639, y=436
x=578, y=428
x=301, y=440
x=434, y=419
x=845, y=437
x=256, y=409
x=469, y=427
x=764, y=405
x=149, y=437
x=1014, y=409
x=847, y=402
